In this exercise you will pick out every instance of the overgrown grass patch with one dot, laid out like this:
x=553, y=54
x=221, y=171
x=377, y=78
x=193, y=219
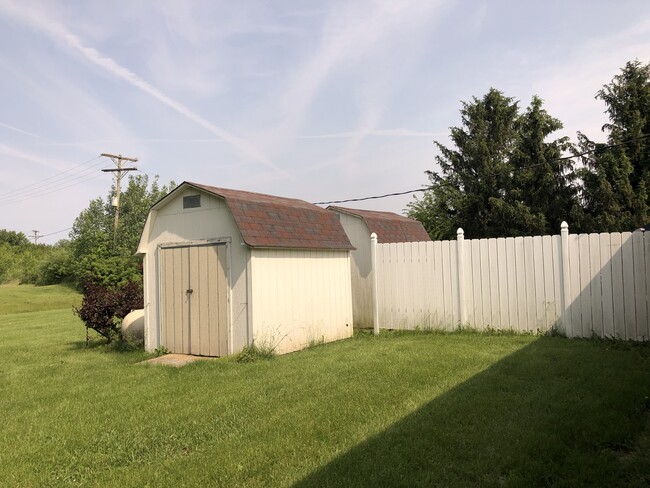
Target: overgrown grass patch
x=400, y=409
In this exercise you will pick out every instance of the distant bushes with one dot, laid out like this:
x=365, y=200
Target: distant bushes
x=27, y=263
x=48, y=265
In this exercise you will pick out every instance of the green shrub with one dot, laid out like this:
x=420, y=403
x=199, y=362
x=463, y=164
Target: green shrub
x=58, y=267
x=109, y=270
x=103, y=307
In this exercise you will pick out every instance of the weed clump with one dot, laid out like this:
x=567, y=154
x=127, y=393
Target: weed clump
x=254, y=352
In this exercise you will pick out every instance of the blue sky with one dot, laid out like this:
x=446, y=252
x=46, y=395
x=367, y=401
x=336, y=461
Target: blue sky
x=318, y=100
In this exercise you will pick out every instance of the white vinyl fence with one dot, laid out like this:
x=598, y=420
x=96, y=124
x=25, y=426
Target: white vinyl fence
x=580, y=284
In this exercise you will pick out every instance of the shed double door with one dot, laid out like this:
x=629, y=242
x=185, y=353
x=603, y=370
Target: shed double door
x=194, y=296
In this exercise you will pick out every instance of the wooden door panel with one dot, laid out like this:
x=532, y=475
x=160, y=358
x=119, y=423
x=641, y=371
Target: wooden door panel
x=194, y=296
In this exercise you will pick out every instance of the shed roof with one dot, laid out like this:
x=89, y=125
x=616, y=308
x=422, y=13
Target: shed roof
x=270, y=221
x=389, y=226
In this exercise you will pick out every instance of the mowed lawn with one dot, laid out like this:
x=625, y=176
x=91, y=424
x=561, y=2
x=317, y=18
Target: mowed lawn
x=410, y=409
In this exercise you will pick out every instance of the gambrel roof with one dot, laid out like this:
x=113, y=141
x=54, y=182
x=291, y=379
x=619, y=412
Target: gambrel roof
x=389, y=226
x=278, y=222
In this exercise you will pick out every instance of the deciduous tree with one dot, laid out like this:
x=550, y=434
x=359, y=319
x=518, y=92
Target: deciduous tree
x=13, y=238
x=105, y=254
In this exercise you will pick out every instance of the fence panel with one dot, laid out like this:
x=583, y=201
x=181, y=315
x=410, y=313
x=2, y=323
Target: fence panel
x=607, y=293
x=519, y=284
x=596, y=299
x=629, y=301
x=644, y=331
x=511, y=277
x=502, y=291
x=617, y=285
x=476, y=316
x=640, y=293
x=520, y=293
x=550, y=272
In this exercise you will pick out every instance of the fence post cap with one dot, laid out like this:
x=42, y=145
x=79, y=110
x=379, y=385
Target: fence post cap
x=460, y=232
x=373, y=236
x=564, y=225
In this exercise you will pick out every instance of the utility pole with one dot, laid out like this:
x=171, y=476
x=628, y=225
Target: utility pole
x=119, y=172
x=35, y=236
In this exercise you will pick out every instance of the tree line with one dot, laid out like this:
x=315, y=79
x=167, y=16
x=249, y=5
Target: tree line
x=505, y=175
x=96, y=252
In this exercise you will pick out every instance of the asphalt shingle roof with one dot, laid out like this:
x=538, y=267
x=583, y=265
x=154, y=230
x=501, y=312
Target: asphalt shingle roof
x=389, y=226
x=270, y=221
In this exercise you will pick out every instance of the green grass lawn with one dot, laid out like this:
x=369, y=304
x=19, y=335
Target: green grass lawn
x=412, y=409
x=29, y=298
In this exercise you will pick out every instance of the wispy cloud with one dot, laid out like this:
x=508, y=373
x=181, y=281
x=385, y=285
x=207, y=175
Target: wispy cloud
x=13, y=152
x=166, y=140
x=38, y=20
x=351, y=32
x=20, y=131
x=345, y=38
x=376, y=133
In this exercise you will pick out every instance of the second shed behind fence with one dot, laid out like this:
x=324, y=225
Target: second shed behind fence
x=389, y=227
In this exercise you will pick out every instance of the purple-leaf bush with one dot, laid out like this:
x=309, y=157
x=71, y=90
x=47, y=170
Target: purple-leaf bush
x=103, y=307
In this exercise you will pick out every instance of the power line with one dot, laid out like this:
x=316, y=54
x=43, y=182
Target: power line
x=600, y=148
x=47, y=188
x=375, y=197
x=605, y=146
x=50, y=185
x=42, y=183
x=30, y=195
x=36, y=235
x=53, y=233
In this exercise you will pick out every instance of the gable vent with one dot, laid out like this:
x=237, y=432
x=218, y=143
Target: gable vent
x=192, y=201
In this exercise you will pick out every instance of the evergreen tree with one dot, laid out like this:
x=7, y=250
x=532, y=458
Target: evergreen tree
x=616, y=175
x=474, y=176
x=502, y=178
x=543, y=188
x=628, y=105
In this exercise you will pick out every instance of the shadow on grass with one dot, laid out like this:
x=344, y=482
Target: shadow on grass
x=555, y=413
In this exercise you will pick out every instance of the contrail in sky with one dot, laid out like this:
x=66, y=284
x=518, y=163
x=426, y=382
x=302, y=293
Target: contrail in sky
x=59, y=33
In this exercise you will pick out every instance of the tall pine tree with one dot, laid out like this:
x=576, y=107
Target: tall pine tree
x=544, y=182
x=475, y=174
x=616, y=175
x=502, y=178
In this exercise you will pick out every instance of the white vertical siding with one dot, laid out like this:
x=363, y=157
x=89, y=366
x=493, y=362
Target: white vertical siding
x=300, y=296
x=360, y=267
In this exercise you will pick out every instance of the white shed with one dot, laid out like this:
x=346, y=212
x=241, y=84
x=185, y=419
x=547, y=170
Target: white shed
x=224, y=268
x=389, y=227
